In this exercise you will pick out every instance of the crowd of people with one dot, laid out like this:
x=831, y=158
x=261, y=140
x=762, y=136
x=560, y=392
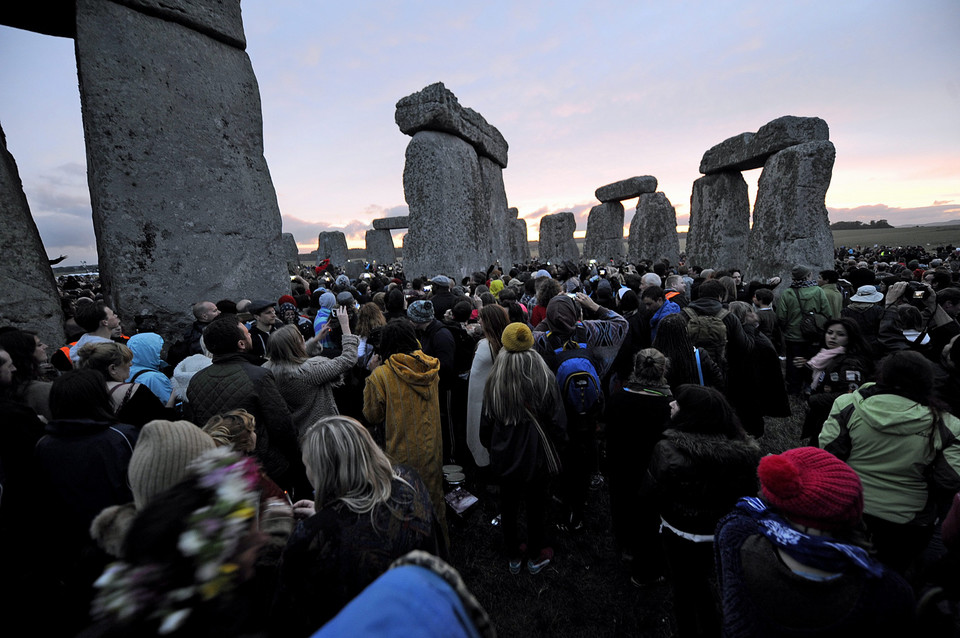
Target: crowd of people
x=279, y=468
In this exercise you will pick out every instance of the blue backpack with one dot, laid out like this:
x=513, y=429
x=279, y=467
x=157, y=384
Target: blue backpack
x=577, y=377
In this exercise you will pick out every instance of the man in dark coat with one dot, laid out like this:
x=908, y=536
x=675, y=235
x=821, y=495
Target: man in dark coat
x=233, y=382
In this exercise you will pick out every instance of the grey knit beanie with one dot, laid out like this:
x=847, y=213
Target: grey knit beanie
x=160, y=458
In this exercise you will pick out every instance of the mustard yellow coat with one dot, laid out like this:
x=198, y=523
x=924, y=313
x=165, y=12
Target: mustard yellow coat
x=402, y=394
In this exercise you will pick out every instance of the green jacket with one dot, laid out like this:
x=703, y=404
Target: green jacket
x=789, y=314
x=834, y=297
x=891, y=448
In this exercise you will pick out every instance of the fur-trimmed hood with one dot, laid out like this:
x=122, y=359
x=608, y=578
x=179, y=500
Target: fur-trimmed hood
x=714, y=448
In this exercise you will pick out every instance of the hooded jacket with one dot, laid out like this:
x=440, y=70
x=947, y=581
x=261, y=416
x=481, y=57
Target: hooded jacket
x=146, y=365
x=891, y=448
x=403, y=394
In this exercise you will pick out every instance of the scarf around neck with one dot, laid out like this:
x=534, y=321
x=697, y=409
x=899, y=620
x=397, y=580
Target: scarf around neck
x=821, y=552
x=820, y=361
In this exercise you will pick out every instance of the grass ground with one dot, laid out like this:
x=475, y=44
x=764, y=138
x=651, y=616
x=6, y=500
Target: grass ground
x=586, y=590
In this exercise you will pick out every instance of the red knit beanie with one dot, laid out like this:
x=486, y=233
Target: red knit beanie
x=286, y=299
x=812, y=487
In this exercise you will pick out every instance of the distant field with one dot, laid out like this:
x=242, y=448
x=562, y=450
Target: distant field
x=912, y=236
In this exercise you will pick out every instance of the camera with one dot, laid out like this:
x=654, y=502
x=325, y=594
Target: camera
x=916, y=294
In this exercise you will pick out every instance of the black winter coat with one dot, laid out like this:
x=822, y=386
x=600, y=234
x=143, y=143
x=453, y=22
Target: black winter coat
x=696, y=479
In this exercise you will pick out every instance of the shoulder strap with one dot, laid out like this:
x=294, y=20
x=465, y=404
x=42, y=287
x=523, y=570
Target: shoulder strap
x=841, y=446
x=139, y=372
x=696, y=354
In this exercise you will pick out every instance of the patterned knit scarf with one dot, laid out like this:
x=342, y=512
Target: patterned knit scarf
x=817, y=551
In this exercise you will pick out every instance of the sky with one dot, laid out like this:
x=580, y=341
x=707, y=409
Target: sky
x=585, y=93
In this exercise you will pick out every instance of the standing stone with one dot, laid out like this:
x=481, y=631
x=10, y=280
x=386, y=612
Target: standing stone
x=517, y=236
x=627, y=189
x=604, y=238
x=28, y=291
x=380, y=247
x=436, y=108
x=183, y=204
x=750, y=150
x=496, y=246
x=292, y=252
x=556, y=238
x=719, y=221
x=790, y=224
x=354, y=268
x=449, y=221
x=332, y=245
x=653, y=230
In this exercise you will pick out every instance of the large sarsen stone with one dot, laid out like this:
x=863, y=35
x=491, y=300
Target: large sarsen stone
x=790, y=224
x=604, y=238
x=719, y=221
x=436, y=108
x=627, y=189
x=556, y=238
x=653, y=230
x=750, y=150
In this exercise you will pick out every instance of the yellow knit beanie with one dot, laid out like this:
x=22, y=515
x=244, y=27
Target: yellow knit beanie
x=517, y=337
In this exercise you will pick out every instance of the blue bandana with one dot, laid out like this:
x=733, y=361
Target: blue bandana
x=821, y=552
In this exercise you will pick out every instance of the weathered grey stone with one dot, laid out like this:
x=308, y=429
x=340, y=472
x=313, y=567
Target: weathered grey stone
x=627, y=189
x=604, y=239
x=719, y=221
x=653, y=230
x=517, y=237
x=292, y=252
x=28, y=291
x=332, y=245
x=392, y=223
x=747, y=150
x=790, y=224
x=436, y=108
x=183, y=204
x=380, y=247
x=218, y=19
x=354, y=268
x=496, y=247
x=556, y=238
x=449, y=224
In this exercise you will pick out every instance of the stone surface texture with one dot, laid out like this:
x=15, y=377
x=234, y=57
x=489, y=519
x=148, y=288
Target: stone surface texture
x=449, y=218
x=184, y=207
x=556, y=238
x=28, y=291
x=435, y=108
x=604, y=238
x=218, y=19
x=627, y=189
x=332, y=245
x=354, y=268
x=380, y=246
x=392, y=223
x=496, y=244
x=790, y=224
x=653, y=230
x=292, y=253
x=719, y=221
x=750, y=150
x=517, y=236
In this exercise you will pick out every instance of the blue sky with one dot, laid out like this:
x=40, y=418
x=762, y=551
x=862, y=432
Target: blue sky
x=585, y=93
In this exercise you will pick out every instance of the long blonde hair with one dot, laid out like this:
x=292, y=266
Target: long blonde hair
x=285, y=348
x=368, y=318
x=519, y=382
x=345, y=464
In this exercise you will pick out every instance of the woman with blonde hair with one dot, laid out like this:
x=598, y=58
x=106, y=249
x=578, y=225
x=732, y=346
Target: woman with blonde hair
x=366, y=514
x=132, y=402
x=493, y=320
x=522, y=418
x=237, y=429
x=304, y=378
x=369, y=318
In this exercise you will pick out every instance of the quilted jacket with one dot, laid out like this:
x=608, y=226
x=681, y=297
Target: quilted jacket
x=232, y=382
